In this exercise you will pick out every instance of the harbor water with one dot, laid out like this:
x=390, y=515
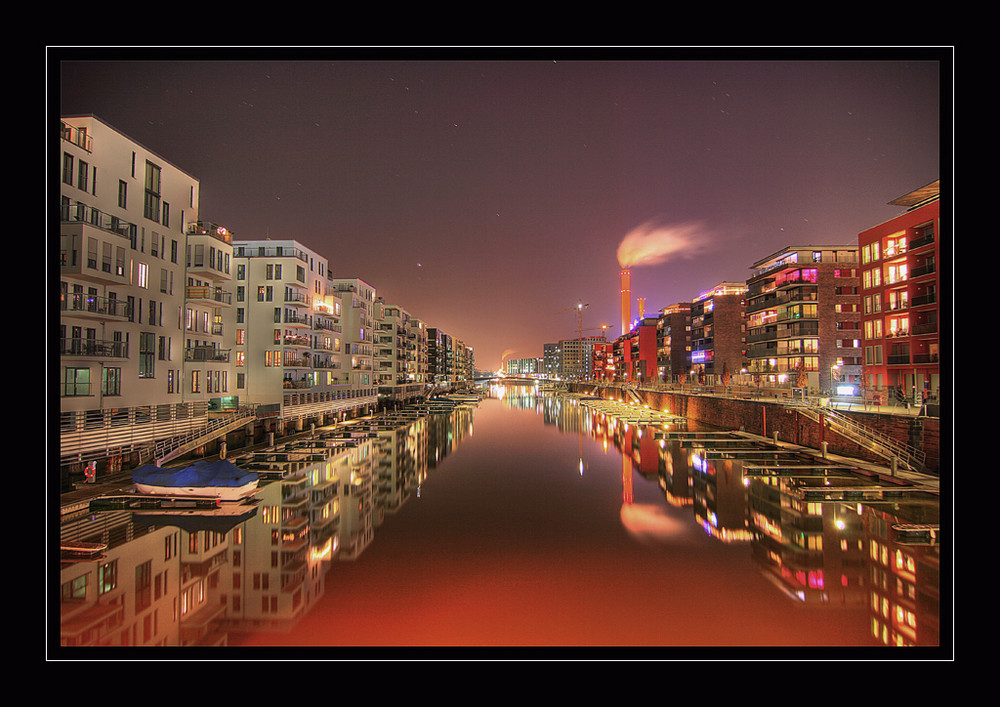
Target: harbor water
x=530, y=519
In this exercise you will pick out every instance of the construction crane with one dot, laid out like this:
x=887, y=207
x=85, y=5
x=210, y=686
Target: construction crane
x=580, y=306
x=603, y=329
x=579, y=316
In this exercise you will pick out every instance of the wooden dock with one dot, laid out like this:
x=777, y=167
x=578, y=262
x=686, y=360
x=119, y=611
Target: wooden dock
x=630, y=414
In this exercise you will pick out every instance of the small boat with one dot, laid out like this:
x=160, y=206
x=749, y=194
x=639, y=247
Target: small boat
x=216, y=479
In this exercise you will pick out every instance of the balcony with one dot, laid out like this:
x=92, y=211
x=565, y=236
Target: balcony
x=78, y=212
x=921, y=270
x=298, y=299
x=296, y=362
x=324, y=324
x=295, y=319
x=86, y=305
x=302, y=383
x=214, y=295
x=76, y=136
x=205, y=228
x=206, y=354
x=297, y=340
x=93, y=348
x=925, y=328
x=925, y=238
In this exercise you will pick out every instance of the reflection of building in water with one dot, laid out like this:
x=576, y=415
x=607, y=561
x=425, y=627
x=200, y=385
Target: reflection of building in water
x=719, y=497
x=396, y=454
x=675, y=474
x=904, y=587
x=358, y=511
x=166, y=581
x=444, y=432
x=521, y=397
x=154, y=585
x=813, y=550
x=279, y=560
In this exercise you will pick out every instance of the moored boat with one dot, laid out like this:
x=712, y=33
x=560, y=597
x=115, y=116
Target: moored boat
x=217, y=479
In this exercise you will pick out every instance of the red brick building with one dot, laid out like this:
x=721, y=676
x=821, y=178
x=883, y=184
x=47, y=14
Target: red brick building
x=717, y=331
x=900, y=299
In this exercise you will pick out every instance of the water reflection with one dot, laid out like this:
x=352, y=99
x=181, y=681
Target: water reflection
x=263, y=576
x=880, y=553
x=192, y=577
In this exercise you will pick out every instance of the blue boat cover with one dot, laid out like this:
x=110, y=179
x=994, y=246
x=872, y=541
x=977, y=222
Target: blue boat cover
x=221, y=472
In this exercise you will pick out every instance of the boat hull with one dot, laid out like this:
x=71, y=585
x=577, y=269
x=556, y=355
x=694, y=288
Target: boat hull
x=225, y=493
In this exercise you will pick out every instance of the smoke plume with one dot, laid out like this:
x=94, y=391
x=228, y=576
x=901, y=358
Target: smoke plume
x=653, y=243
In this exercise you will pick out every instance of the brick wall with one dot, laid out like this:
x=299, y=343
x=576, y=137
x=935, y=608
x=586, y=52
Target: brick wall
x=765, y=418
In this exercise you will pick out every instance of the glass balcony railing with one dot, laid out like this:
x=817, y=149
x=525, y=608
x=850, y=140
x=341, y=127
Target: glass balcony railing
x=78, y=302
x=93, y=348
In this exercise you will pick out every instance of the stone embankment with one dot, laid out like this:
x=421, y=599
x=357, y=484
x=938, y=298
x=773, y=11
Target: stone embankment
x=790, y=422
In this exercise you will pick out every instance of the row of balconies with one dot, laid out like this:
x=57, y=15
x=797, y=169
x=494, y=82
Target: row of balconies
x=907, y=360
x=774, y=300
x=112, y=349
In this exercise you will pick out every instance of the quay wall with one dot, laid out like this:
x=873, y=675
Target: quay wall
x=767, y=417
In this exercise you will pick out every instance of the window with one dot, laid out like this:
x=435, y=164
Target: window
x=122, y=194
x=76, y=381
x=147, y=354
x=76, y=589
x=143, y=586
x=107, y=577
x=151, y=206
x=81, y=180
x=112, y=383
x=67, y=176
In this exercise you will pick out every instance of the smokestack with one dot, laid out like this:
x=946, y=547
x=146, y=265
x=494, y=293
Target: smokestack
x=642, y=308
x=626, y=301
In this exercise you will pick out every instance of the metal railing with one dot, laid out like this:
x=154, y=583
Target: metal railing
x=865, y=437
x=166, y=449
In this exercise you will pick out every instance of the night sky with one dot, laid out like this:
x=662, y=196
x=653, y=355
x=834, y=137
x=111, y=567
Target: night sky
x=486, y=193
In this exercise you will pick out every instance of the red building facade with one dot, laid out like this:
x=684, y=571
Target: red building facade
x=900, y=291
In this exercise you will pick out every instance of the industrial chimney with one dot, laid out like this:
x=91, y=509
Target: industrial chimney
x=626, y=301
x=642, y=308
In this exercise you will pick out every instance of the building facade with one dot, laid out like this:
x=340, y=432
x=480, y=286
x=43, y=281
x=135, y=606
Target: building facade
x=803, y=318
x=900, y=288
x=295, y=335
x=145, y=298
x=673, y=342
x=577, y=357
x=717, y=332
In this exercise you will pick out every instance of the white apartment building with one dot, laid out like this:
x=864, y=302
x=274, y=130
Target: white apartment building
x=396, y=353
x=417, y=368
x=303, y=347
x=359, y=300
x=144, y=298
